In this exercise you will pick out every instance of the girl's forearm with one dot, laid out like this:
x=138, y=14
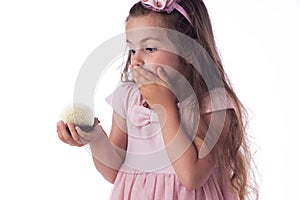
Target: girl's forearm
x=175, y=139
x=107, y=157
x=182, y=153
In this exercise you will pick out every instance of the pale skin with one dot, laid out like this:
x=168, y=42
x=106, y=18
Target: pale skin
x=154, y=84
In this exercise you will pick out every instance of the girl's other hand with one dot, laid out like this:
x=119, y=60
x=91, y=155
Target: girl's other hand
x=155, y=88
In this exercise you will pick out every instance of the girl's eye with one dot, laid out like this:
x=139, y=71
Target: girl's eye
x=132, y=51
x=150, y=50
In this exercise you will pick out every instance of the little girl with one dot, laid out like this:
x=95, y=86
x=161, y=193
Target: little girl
x=177, y=127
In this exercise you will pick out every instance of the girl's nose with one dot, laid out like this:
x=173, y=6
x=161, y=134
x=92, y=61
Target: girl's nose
x=137, y=58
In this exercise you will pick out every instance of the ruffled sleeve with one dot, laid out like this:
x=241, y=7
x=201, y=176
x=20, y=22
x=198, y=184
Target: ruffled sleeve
x=120, y=97
x=216, y=100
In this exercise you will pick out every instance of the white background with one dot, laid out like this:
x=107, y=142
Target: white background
x=44, y=43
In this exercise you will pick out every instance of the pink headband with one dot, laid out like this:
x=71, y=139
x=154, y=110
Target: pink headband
x=165, y=6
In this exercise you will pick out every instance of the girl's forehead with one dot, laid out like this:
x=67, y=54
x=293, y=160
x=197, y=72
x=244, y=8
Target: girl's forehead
x=150, y=20
x=147, y=26
x=147, y=33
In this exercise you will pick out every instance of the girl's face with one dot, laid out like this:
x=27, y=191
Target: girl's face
x=151, y=48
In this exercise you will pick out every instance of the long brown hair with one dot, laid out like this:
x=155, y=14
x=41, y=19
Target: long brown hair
x=236, y=155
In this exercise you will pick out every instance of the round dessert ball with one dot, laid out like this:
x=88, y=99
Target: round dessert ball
x=80, y=115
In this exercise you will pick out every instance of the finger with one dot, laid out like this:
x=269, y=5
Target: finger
x=87, y=137
x=139, y=79
x=84, y=136
x=134, y=74
x=149, y=75
x=143, y=76
x=62, y=131
x=64, y=135
x=59, y=128
x=163, y=75
x=74, y=134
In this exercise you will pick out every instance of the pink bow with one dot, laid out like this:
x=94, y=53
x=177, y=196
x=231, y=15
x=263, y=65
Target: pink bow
x=160, y=5
x=165, y=6
x=139, y=115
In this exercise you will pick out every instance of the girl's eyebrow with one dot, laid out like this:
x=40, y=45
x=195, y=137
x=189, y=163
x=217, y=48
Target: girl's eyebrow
x=145, y=39
x=127, y=41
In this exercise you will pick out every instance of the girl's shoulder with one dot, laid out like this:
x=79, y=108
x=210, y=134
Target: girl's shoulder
x=120, y=97
x=123, y=89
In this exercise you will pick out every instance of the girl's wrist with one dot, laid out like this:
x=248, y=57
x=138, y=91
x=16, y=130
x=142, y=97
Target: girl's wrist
x=165, y=107
x=166, y=110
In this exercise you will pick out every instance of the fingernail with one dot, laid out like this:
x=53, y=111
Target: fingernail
x=161, y=70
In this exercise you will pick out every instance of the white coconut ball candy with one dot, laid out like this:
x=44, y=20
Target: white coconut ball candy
x=80, y=115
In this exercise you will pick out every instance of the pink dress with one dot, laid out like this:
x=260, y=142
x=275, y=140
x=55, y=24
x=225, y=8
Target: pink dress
x=147, y=173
